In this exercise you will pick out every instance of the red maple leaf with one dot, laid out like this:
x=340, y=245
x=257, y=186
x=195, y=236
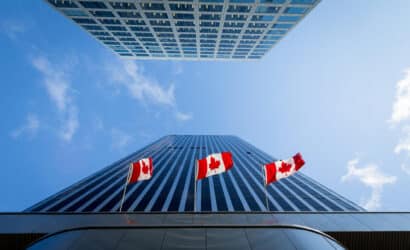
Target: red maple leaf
x=144, y=168
x=214, y=163
x=284, y=167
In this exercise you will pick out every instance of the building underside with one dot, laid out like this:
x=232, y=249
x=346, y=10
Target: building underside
x=187, y=29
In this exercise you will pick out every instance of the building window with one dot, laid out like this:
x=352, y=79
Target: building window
x=152, y=6
x=92, y=5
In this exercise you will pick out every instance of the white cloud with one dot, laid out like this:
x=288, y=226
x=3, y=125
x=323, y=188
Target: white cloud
x=13, y=28
x=56, y=84
x=140, y=87
x=120, y=139
x=70, y=124
x=183, y=116
x=58, y=88
x=401, y=115
x=403, y=145
x=371, y=176
x=401, y=106
x=30, y=127
x=405, y=168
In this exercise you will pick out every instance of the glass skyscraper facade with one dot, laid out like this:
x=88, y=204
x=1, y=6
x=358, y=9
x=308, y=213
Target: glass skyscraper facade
x=172, y=185
x=187, y=29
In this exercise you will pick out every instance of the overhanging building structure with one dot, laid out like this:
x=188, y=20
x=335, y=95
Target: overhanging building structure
x=231, y=208
x=187, y=29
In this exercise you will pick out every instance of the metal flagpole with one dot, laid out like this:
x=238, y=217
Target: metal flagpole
x=125, y=187
x=266, y=192
x=196, y=169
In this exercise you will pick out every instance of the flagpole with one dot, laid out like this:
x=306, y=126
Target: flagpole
x=125, y=187
x=266, y=192
x=196, y=167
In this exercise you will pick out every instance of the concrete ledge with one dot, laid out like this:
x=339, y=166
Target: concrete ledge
x=377, y=230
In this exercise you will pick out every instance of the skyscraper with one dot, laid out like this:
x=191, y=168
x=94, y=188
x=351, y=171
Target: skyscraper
x=172, y=185
x=187, y=29
x=231, y=210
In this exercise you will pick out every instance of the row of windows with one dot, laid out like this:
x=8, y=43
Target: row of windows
x=134, y=16
x=116, y=24
x=173, y=43
x=175, y=6
x=184, y=23
x=185, y=44
x=192, y=50
x=123, y=36
x=192, y=37
x=145, y=32
x=193, y=56
x=189, y=16
x=170, y=46
x=226, y=46
x=292, y=16
x=263, y=44
x=240, y=189
x=189, y=55
x=184, y=37
x=161, y=28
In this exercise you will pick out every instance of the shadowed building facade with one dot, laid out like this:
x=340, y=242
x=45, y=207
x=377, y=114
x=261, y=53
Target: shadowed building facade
x=231, y=211
x=171, y=188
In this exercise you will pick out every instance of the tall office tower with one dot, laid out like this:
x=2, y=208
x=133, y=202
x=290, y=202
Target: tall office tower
x=172, y=185
x=231, y=210
x=187, y=29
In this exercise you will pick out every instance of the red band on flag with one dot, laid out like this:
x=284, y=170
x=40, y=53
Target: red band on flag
x=227, y=159
x=202, y=168
x=299, y=162
x=270, y=173
x=135, y=172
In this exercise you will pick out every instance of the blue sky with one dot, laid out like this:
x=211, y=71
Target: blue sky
x=336, y=88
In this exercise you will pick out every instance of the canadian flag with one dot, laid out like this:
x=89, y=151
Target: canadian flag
x=214, y=164
x=140, y=170
x=280, y=169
